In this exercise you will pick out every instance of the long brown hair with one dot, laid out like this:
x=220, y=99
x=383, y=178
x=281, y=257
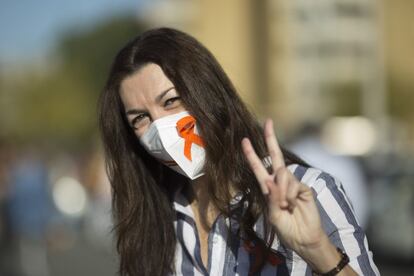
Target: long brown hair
x=141, y=186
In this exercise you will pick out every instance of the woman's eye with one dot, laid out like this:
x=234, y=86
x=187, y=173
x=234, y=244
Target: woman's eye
x=139, y=120
x=171, y=101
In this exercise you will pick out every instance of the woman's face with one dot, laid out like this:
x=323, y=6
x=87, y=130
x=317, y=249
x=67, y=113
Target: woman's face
x=148, y=95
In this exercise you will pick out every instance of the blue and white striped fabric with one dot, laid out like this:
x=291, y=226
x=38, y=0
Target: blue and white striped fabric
x=228, y=259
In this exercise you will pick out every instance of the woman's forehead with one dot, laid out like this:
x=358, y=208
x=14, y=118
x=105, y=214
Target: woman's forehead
x=143, y=86
x=149, y=79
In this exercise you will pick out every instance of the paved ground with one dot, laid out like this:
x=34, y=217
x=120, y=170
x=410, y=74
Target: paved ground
x=82, y=259
x=85, y=259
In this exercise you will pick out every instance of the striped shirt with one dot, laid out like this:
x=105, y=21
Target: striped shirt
x=228, y=259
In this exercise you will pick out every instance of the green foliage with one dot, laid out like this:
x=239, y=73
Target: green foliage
x=89, y=53
x=58, y=105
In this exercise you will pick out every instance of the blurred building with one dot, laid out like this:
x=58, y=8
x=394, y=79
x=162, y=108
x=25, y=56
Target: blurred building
x=321, y=58
x=326, y=59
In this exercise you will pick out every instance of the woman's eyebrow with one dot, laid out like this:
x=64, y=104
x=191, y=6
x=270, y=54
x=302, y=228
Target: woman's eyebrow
x=134, y=111
x=157, y=100
x=162, y=94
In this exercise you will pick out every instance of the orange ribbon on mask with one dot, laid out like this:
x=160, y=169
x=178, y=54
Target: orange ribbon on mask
x=185, y=128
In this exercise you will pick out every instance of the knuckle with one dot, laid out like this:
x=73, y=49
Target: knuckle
x=284, y=172
x=272, y=152
x=279, y=171
x=255, y=165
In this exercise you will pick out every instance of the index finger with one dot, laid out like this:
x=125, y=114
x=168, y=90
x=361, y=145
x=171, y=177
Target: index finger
x=255, y=164
x=275, y=152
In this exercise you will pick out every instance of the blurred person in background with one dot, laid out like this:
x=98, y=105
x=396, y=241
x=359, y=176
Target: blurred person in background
x=200, y=188
x=29, y=209
x=7, y=258
x=97, y=221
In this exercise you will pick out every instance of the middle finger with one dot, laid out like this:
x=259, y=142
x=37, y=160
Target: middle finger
x=272, y=145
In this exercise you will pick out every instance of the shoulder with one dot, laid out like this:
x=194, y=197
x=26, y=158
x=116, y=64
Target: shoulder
x=313, y=177
x=328, y=191
x=316, y=179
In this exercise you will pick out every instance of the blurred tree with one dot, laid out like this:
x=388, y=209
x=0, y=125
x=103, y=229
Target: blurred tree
x=57, y=105
x=89, y=53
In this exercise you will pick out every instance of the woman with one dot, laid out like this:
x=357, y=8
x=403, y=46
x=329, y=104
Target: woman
x=199, y=188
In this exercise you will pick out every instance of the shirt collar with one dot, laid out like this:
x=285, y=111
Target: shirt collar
x=182, y=205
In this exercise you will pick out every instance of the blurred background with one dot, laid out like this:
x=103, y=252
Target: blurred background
x=337, y=77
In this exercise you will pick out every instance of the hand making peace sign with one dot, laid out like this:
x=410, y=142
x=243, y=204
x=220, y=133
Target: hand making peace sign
x=292, y=208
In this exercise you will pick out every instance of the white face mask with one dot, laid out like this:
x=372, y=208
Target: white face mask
x=175, y=142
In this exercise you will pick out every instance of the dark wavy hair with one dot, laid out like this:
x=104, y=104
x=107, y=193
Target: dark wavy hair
x=142, y=187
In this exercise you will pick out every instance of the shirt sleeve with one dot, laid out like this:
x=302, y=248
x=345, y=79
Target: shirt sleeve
x=339, y=221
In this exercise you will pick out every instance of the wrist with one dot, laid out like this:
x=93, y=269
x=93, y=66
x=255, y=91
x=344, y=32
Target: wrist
x=341, y=266
x=322, y=256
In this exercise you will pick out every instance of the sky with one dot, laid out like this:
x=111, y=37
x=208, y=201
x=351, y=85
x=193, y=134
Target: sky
x=29, y=28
